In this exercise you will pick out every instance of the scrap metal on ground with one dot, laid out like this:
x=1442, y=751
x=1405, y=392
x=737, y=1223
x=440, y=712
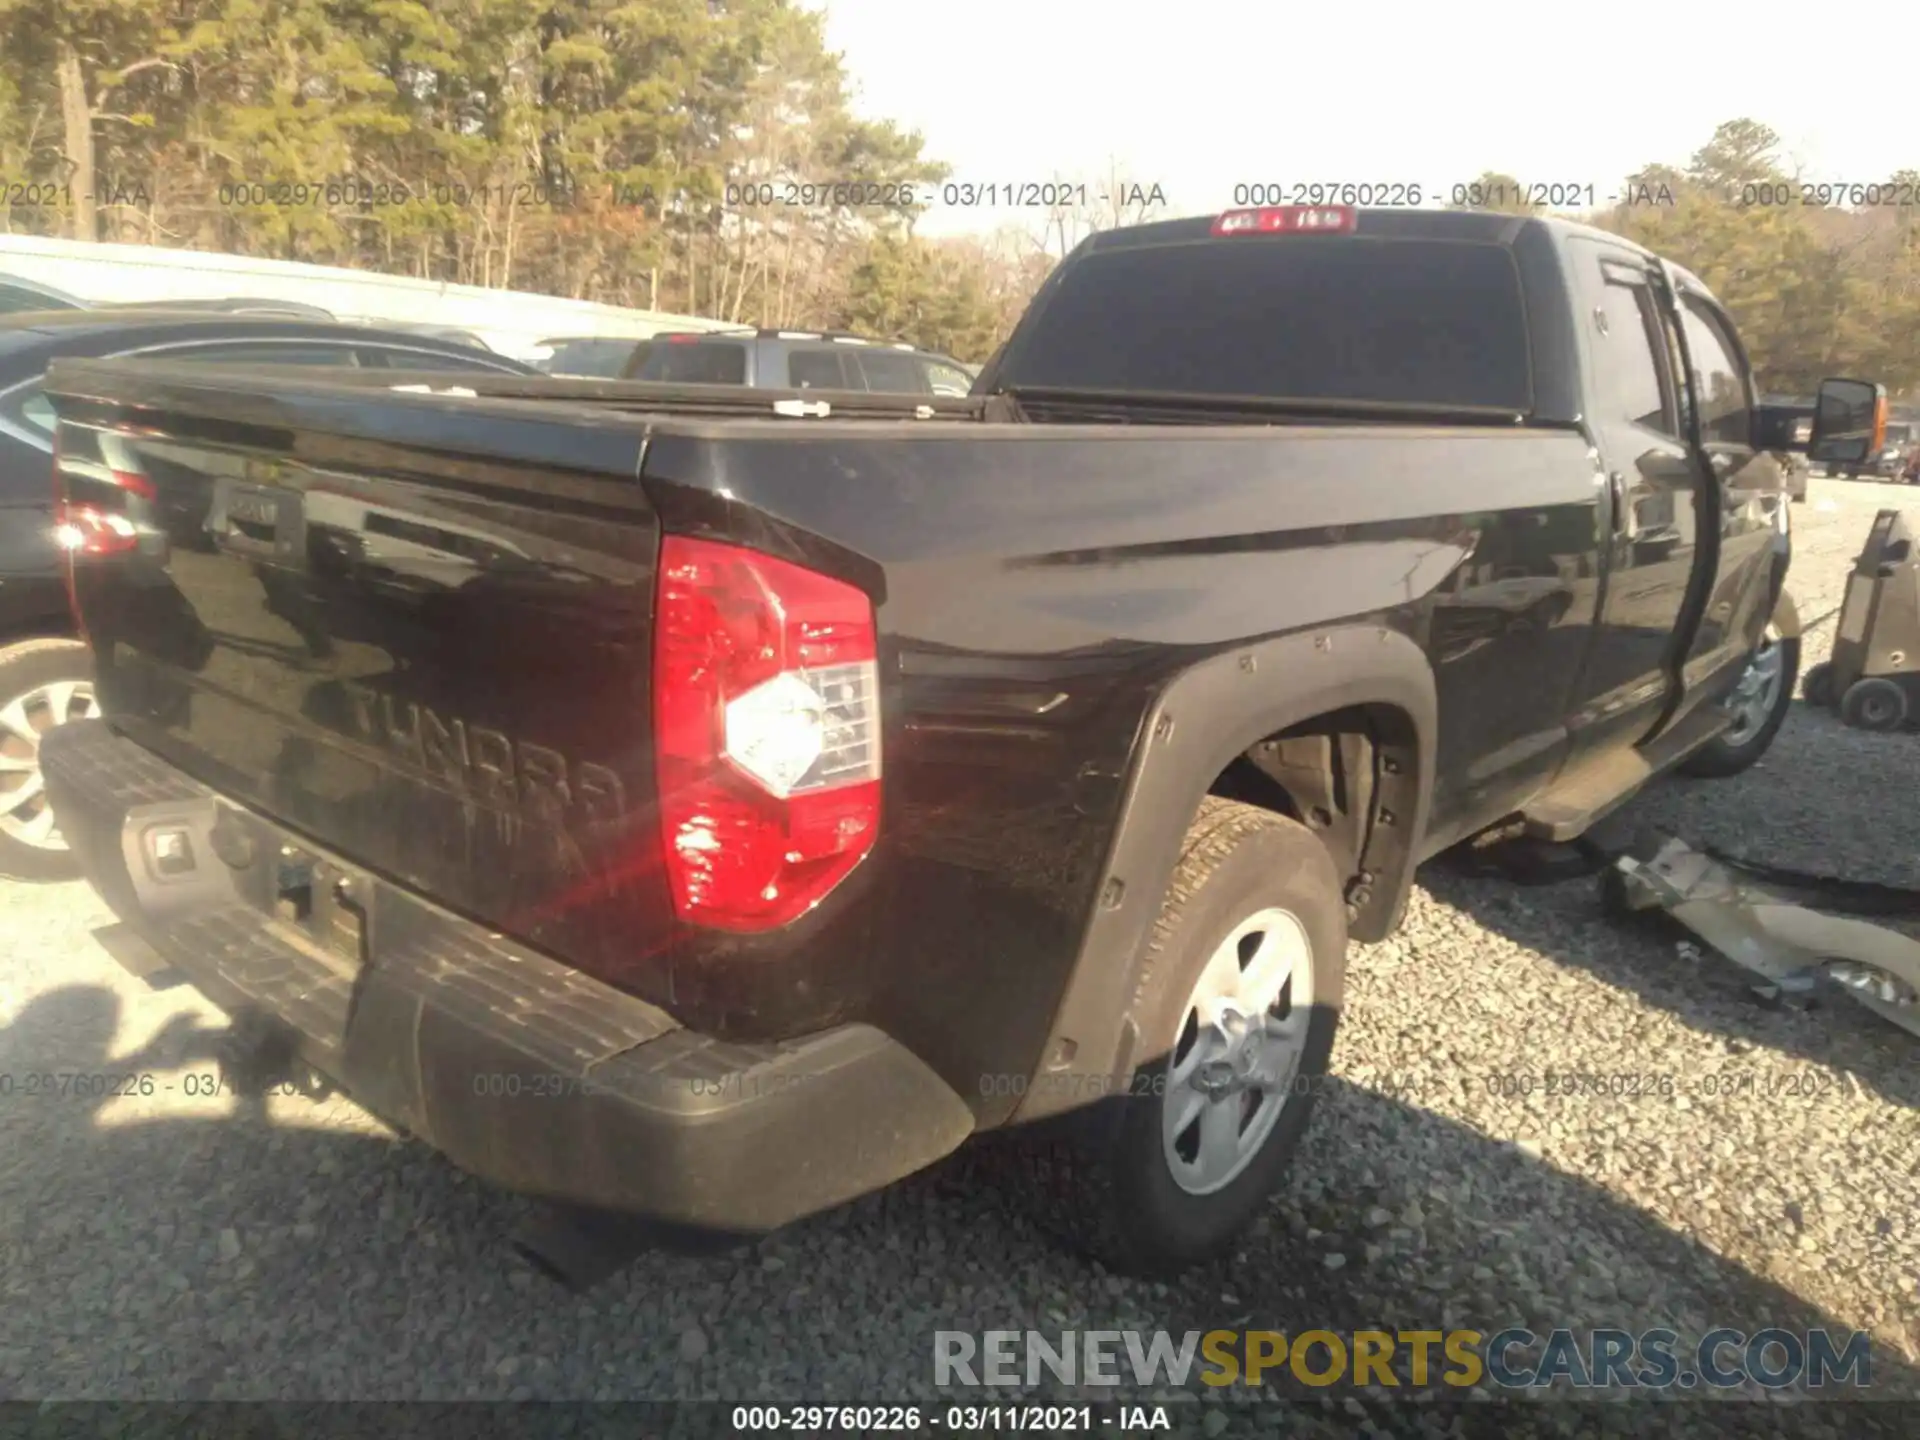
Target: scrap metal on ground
x=1794, y=949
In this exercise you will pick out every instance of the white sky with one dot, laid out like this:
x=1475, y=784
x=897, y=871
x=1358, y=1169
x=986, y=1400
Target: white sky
x=1201, y=95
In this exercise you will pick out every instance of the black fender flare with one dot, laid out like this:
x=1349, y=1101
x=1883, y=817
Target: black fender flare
x=1202, y=720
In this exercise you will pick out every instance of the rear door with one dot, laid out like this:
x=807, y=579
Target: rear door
x=894, y=372
x=820, y=367
x=1650, y=522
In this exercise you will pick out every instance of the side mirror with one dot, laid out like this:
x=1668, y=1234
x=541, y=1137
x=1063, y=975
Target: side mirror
x=1849, y=422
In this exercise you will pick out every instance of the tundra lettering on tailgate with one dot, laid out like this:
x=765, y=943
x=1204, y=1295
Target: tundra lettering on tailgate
x=487, y=763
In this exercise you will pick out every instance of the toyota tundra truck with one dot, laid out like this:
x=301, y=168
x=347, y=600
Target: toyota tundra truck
x=714, y=805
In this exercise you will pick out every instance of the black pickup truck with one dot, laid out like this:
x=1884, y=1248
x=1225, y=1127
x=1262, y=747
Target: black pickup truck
x=717, y=804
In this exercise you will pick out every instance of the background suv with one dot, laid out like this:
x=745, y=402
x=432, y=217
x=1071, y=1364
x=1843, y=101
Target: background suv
x=798, y=360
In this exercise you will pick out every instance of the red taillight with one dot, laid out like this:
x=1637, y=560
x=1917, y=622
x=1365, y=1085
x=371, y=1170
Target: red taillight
x=683, y=339
x=766, y=733
x=89, y=530
x=1289, y=219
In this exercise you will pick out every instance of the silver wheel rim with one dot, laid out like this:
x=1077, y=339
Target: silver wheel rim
x=1238, y=1054
x=25, y=815
x=1754, y=698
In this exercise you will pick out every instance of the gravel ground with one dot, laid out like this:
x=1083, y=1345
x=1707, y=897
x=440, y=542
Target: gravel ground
x=182, y=1246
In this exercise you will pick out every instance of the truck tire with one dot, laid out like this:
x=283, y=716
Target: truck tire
x=1254, y=905
x=42, y=684
x=1875, y=703
x=1762, y=700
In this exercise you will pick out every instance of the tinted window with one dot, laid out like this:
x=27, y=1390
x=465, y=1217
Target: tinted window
x=1626, y=337
x=395, y=358
x=1718, y=380
x=944, y=379
x=1293, y=316
x=892, y=371
x=818, y=370
x=256, y=354
x=598, y=359
x=723, y=363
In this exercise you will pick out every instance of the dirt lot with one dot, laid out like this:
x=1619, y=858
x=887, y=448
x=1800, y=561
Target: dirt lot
x=181, y=1246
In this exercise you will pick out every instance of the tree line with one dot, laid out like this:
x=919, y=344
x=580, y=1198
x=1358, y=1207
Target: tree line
x=1822, y=279
x=704, y=157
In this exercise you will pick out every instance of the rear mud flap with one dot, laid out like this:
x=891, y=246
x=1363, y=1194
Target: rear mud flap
x=1793, y=949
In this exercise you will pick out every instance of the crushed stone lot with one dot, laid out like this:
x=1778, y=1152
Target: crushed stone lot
x=1760, y=1168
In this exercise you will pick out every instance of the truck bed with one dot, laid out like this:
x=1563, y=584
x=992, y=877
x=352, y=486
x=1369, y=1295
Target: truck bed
x=415, y=629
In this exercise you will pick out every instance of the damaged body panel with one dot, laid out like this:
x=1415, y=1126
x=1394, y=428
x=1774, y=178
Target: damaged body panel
x=1791, y=947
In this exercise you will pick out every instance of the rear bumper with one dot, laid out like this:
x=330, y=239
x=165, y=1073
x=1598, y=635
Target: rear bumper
x=517, y=1068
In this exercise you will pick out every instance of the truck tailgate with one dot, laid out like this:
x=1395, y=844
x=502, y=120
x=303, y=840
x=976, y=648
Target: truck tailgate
x=394, y=623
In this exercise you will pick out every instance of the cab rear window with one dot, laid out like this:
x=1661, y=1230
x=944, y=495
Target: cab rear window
x=1304, y=317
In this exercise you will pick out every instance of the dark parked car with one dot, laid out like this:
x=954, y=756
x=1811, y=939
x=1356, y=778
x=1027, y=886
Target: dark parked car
x=739, y=813
x=1891, y=462
x=44, y=673
x=798, y=360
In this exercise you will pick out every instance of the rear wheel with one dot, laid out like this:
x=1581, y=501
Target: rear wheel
x=1759, y=704
x=1236, y=1012
x=43, y=683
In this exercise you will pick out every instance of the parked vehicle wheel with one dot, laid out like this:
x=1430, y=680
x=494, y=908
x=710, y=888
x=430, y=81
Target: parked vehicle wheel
x=1759, y=703
x=43, y=683
x=1816, y=686
x=1875, y=703
x=1236, y=1011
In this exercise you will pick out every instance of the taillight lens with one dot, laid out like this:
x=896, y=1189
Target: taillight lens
x=766, y=733
x=89, y=530
x=1289, y=220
